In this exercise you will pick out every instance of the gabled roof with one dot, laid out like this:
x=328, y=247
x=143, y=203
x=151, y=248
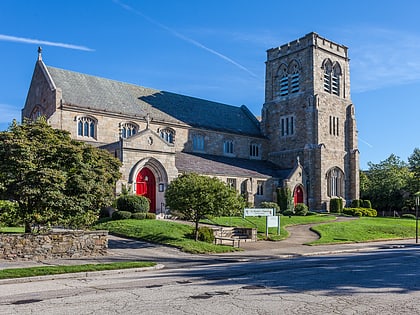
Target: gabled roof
x=227, y=166
x=118, y=97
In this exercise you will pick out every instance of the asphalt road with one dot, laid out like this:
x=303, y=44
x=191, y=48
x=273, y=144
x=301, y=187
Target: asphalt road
x=378, y=282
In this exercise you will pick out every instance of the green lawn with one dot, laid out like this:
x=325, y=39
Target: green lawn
x=365, y=229
x=54, y=270
x=163, y=232
x=5, y=229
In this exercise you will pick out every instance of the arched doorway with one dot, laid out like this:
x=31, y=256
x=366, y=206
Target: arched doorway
x=146, y=186
x=298, y=195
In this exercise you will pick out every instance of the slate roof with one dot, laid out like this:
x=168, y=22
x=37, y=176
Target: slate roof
x=118, y=97
x=222, y=165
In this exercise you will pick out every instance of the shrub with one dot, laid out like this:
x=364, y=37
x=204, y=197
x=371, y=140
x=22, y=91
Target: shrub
x=138, y=215
x=336, y=205
x=408, y=216
x=301, y=209
x=360, y=212
x=366, y=204
x=288, y=212
x=121, y=215
x=133, y=203
x=285, y=199
x=205, y=234
x=270, y=205
x=150, y=216
x=355, y=203
x=8, y=213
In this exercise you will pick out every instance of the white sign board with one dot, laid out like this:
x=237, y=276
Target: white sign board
x=258, y=212
x=272, y=221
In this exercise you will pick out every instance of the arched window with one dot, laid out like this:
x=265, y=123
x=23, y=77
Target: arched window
x=255, y=150
x=332, y=75
x=168, y=135
x=86, y=127
x=36, y=113
x=228, y=147
x=335, y=182
x=294, y=77
x=128, y=130
x=283, y=81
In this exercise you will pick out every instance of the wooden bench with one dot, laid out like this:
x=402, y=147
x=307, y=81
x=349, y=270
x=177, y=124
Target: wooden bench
x=219, y=240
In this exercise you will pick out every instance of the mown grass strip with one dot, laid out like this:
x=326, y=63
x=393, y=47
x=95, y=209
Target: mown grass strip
x=55, y=270
x=364, y=229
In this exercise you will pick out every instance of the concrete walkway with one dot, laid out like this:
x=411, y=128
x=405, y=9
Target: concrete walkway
x=121, y=249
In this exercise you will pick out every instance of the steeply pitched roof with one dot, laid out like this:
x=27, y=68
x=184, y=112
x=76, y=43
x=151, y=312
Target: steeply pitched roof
x=227, y=166
x=107, y=95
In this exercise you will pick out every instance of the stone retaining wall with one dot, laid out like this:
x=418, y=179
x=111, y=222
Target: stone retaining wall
x=68, y=244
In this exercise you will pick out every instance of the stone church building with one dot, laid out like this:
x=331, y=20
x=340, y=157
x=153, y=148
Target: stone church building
x=306, y=139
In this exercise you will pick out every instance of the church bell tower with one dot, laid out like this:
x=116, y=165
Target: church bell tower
x=308, y=115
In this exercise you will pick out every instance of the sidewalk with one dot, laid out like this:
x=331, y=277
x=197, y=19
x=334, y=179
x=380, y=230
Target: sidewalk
x=121, y=249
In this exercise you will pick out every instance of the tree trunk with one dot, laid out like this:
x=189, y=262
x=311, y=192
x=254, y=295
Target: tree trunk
x=196, y=229
x=28, y=227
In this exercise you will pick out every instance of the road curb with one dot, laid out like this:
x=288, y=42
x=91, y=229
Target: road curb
x=86, y=274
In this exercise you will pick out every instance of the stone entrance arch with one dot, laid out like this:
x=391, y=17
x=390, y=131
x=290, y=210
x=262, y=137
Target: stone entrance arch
x=149, y=178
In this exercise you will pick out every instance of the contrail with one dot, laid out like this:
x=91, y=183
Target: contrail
x=185, y=38
x=41, y=42
x=365, y=142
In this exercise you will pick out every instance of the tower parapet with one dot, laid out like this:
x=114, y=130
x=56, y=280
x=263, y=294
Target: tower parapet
x=311, y=39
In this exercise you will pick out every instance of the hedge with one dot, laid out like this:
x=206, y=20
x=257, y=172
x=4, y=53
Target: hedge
x=359, y=212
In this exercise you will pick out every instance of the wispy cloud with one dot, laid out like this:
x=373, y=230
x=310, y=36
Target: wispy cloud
x=41, y=42
x=8, y=113
x=185, y=38
x=383, y=58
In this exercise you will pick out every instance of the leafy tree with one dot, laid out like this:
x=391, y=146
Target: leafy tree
x=196, y=196
x=386, y=183
x=414, y=165
x=285, y=199
x=54, y=179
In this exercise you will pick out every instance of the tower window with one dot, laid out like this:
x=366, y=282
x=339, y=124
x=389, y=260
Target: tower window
x=334, y=126
x=335, y=183
x=283, y=81
x=332, y=74
x=294, y=78
x=86, y=127
x=287, y=126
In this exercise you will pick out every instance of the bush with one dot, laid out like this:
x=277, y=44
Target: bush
x=150, y=216
x=205, y=234
x=8, y=213
x=138, y=215
x=121, y=215
x=285, y=199
x=360, y=212
x=408, y=216
x=366, y=204
x=336, y=205
x=355, y=203
x=270, y=205
x=301, y=209
x=288, y=212
x=133, y=203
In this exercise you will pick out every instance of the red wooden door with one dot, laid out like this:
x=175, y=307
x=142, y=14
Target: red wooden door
x=298, y=195
x=146, y=186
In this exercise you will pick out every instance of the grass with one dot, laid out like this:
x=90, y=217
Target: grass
x=54, y=270
x=364, y=229
x=5, y=229
x=163, y=232
x=259, y=223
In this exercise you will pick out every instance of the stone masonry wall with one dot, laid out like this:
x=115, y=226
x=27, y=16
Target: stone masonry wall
x=71, y=244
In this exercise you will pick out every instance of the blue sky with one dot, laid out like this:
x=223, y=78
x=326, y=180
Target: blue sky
x=216, y=50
